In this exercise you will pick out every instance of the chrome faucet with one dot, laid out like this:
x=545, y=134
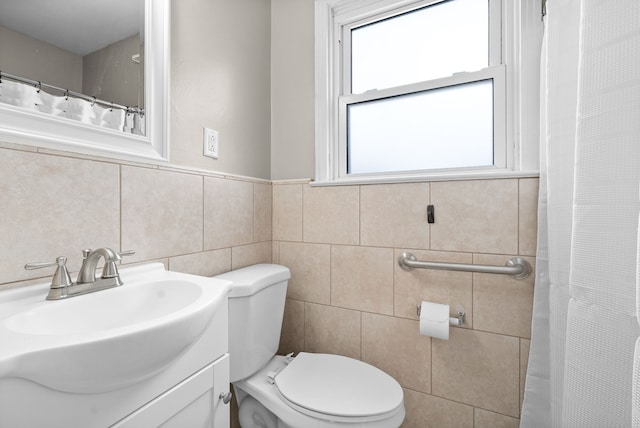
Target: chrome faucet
x=90, y=260
x=61, y=285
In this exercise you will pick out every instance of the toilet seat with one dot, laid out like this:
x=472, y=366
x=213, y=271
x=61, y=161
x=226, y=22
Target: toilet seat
x=334, y=387
x=261, y=386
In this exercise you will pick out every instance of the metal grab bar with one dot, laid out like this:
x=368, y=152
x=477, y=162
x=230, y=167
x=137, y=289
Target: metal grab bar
x=516, y=267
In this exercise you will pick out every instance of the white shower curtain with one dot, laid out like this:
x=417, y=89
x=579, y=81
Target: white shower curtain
x=585, y=322
x=30, y=97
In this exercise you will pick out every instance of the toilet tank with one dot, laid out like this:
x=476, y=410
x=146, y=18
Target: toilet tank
x=256, y=309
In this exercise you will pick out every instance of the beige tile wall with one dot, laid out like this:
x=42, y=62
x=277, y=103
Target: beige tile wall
x=53, y=204
x=348, y=295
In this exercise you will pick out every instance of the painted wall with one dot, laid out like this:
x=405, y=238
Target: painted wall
x=111, y=75
x=220, y=78
x=28, y=57
x=292, y=89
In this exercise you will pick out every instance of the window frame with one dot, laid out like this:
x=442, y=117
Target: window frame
x=513, y=28
x=500, y=149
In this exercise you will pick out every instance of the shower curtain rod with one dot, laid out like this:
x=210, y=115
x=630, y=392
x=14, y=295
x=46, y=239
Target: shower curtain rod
x=39, y=85
x=516, y=267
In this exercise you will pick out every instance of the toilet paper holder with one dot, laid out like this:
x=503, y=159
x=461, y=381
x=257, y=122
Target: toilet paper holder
x=452, y=320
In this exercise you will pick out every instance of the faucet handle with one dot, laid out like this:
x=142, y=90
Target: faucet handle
x=61, y=277
x=110, y=269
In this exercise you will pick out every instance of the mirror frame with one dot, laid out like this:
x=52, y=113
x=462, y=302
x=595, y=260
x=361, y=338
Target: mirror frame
x=21, y=126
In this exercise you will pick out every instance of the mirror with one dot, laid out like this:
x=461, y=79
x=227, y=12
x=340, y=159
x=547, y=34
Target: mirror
x=91, y=77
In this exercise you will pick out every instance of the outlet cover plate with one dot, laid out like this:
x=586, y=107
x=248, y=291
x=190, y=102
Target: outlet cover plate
x=210, y=143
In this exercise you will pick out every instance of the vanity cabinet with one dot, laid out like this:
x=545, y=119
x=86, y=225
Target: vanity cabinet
x=195, y=402
x=186, y=393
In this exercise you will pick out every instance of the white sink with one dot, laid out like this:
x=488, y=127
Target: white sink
x=109, y=339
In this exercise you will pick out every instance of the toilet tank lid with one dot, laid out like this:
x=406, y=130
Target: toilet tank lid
x=251, y=279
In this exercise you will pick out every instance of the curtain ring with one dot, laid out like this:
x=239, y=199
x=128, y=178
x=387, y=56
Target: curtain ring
x=66, y=95
x=39, y=87
x=111, y=109
x=94, y=101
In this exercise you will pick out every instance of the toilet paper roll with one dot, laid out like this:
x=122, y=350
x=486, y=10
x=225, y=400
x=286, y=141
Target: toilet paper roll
x=434, y=320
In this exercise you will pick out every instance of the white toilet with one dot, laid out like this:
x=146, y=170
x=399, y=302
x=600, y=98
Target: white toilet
x=305, y=391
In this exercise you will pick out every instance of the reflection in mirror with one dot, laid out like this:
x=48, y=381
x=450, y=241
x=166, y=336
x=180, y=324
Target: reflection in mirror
x=75, y=59
x=97, y=100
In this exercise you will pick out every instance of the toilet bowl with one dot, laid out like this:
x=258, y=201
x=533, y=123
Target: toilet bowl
x=307, y=390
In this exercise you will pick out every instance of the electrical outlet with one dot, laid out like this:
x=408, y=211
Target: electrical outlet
x=210, y=143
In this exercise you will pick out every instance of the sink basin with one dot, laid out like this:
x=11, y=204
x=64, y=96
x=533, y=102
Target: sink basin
x=105, y=311
x=109, y=339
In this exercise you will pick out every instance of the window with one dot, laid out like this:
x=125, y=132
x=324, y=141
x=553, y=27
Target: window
x=450, y=127
x=412, y=89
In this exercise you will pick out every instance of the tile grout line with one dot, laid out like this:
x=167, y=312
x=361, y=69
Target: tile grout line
x=302, y=213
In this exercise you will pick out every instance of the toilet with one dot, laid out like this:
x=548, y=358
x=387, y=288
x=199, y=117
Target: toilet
x=308, y=390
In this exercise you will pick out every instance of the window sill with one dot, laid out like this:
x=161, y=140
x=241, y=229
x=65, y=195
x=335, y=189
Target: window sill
x=458, y=176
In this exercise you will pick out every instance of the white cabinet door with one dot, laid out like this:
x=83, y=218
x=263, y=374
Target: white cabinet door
x=221, y=388
x=193, y=403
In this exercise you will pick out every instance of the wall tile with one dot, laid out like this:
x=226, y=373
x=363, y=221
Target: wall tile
x=287, y=212
x=528, y=216
x=310, y=266
x=165, y=261
x=475, y=216
x=247, y=255
x=206, y=263
x=362, y=278
x=438, y=286
x=477, y=368
x=395, y=215
x=262, y=209
x=161, y=213
x=15, y=146
x=292, y=336
x=427, y=411
x=502, y=304
x=525, y=344
x=395, y=346
x=331, y=215
x=47, y=211
x=275, y=252
x=331, y=330
x=228, y=213
x=29, y=282
x=486, y=419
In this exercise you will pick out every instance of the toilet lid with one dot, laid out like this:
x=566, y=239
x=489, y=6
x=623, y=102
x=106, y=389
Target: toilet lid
x=340, y=386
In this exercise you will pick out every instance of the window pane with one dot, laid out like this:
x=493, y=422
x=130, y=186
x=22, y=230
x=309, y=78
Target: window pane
x=441, y=128
x=428, y=43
